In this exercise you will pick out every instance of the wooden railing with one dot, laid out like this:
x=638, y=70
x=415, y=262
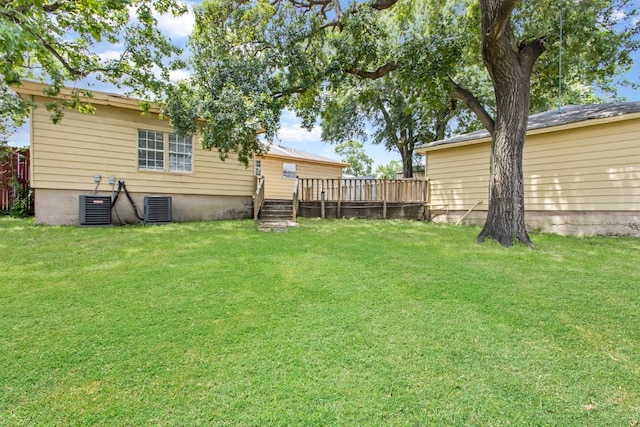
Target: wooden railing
x=362, y=189
x=258, y=198
x=295, y=199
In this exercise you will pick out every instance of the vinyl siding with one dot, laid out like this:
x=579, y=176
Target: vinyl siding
x=277, y=187
x=66, y=156
x=589, y=168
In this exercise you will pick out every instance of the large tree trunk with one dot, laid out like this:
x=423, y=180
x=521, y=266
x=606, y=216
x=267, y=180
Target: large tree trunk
x=407, y=160
x=505, y=217
x=510, y=73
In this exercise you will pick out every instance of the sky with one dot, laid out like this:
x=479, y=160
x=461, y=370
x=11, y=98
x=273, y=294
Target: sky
x=291, y=134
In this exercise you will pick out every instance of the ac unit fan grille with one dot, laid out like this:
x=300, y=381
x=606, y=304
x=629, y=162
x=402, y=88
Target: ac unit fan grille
x=157, y=209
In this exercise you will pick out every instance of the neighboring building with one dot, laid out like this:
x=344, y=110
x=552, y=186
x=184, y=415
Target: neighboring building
x=281, y=165
x=84, y=152
x=581, y=171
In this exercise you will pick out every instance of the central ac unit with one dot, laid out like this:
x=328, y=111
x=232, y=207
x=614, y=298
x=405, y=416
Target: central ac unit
x=157, y=209
x=95, y=210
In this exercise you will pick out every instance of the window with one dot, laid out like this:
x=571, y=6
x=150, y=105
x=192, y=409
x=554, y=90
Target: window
x=150, y=150
x=179, y=153
x=153, y=149
x=258, y=168
x=288, y=170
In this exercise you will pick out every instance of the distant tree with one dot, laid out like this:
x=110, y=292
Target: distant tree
x=352, y=152
x=55, y=41
x=389, y=170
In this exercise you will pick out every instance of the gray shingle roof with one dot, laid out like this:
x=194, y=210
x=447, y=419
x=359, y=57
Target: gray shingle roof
x=568, y=114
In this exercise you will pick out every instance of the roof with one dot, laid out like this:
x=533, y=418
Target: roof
x=293, y=153
x=577, y=115
x=99, y=98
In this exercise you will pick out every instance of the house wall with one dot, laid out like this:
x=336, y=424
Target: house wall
x=67, y=156
x=583, y=180
x=278, y=187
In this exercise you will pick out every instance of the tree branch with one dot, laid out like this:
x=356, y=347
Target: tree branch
x=501, y=19
x=530, y=52
x=373, y=75
x=54, y=6
x=474, y=105
x=382, y=4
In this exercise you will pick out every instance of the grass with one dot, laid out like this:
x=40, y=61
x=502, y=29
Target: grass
x=334, y=323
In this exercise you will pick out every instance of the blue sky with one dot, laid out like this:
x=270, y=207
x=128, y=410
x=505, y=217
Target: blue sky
x=291, y=134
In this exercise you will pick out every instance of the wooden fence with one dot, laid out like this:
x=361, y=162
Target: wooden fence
x=14, y=176
x=363, y=189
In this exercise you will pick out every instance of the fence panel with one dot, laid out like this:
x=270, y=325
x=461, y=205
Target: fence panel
x=14, y=175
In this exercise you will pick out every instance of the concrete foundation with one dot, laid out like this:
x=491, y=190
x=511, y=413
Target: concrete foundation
x=61, y=207
x=607, y=223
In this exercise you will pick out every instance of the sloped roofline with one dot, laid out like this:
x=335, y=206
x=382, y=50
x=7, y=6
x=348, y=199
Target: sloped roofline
x=569, y=117
x=99, y=98
x=286, y=153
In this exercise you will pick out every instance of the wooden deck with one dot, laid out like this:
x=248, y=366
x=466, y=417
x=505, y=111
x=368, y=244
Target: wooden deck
x=356, y=197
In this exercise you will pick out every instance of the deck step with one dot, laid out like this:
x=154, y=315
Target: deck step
x=276, y=209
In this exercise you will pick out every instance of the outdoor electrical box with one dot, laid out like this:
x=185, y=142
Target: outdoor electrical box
x=157, y=210
x=95, y=210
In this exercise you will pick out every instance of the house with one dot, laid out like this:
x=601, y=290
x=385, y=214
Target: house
x=280, y=166
x=89, y=154
x=581, y=171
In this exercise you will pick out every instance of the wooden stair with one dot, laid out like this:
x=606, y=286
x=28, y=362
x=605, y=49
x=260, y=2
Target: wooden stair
x=277, y=210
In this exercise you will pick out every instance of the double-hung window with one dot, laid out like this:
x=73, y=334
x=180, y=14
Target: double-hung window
x=154, y=147
x=288, y=170
x=150, y=150
x=179, y=153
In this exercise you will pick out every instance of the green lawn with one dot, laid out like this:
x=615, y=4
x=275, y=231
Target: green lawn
x=346, y=323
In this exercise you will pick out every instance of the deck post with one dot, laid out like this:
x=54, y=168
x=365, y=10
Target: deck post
x=339, y=196
x=384, y=199
x=322, y=211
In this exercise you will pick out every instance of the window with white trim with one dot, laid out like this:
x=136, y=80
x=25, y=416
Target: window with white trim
x=179, y=153
x=288, y=170
x=154, y=147
x=258, y=164
x=150, y=150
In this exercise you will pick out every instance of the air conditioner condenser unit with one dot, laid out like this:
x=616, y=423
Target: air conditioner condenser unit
x=157, y=210
x=95, y=210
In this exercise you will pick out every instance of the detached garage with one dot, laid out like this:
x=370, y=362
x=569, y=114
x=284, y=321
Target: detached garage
x=581, y=172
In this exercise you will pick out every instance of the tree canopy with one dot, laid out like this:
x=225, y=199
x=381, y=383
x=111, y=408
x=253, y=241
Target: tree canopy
x=56, y=41
x=353, y=153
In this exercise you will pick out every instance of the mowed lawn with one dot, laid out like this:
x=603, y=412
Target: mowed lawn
x=345, y=323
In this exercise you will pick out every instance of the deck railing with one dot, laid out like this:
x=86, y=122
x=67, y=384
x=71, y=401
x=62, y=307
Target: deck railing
x=258, y=198
x=363, y=189
x=295, y=199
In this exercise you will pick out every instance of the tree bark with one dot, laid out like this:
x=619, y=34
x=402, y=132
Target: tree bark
x=510, y=73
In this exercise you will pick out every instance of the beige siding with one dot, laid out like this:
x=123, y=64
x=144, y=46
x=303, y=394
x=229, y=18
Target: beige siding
x=66, y=156
x=278, y=187
x=590, y=168
x=458, y=176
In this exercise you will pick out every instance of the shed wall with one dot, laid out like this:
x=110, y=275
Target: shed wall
x=576, y=173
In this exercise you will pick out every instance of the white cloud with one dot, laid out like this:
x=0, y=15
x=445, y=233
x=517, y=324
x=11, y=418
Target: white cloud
x=177, y=26
x=110, y=54
x=176, y=75
x=296, y=134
